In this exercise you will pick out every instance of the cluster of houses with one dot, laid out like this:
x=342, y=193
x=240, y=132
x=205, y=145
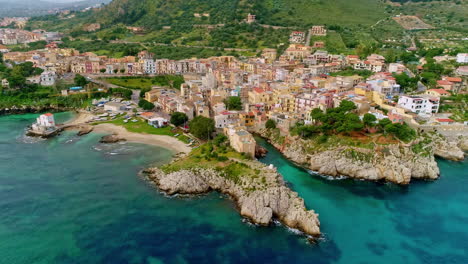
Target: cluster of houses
x=284, y=89
x=9, y=36
x=18, y=22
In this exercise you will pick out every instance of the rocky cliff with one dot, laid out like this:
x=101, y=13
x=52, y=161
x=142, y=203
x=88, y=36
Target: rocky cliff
x=260, y=199
x=31, y=109
x=397, y=163
x=448, y=148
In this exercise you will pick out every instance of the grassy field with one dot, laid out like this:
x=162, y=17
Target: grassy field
x=223, y=159
x=143, y=127
x=145, y=83
x=333, y=42
x=338, y=12
x=131, y=83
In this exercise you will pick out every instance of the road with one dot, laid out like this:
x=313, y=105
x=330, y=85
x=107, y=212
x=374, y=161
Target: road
x=309, y=35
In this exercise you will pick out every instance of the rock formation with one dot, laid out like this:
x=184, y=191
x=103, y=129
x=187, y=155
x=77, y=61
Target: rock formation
x=111, y=139
x=397, y=163
x=84, y=130
x=259, y=201
x=260, y=151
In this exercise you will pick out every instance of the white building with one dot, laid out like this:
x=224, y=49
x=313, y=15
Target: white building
x=4, y=49
x=420, y=104
x=218, y=108
x=396, y=68
x=48, y=78
x=44, y=122
x=5, y=83
x=158, y=122
x=387, y=87
x=462, y=57
x=114, y=107
x=149, y=67
x=226, y=118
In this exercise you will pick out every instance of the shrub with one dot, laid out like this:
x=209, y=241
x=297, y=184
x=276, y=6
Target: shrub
x=270, y=124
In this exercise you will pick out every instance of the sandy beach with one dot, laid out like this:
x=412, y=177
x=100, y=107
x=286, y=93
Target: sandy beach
x=80, y=118
x=156, y=140
x=168, y=142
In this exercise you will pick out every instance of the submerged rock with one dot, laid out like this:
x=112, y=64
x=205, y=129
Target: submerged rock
x=84, y=130
x=260, y=151
x=111, y=139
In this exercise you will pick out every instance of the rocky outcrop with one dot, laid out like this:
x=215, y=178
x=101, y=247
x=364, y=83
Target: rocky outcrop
x=447, y=148
x=397, y=163
x=84, y=130
x=463, y=143
x=260, y=151
x=260, y=202
x=31, y=109
x=111, y=139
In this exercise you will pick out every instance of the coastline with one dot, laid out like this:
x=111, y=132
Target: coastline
x=82, y=118
x=391, y=163
x=167, y=142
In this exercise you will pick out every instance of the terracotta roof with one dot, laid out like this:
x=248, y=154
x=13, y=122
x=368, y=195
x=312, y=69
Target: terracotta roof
x=147, y=114
x=440, y=91
x=444, y=120
x=48, y=114
x=444, y=82
x=258, y=90
x=453, y=79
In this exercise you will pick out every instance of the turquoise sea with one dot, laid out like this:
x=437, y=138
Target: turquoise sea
x=74, y=200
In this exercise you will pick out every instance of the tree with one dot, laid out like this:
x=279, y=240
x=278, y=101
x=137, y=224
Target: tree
x=270, y=124
x=220, y=139
x=178, y=118
x=406, y=83
x=384, y=122
x=369, y=120
x=202, y=127
x=233, y=103
x=145, y=104
x=143, y=91
x=80, y=80
x=102, y=70
x=317, y=115
x=402, y=132
x=346, y=106
x=122, y=70
x=350, y=123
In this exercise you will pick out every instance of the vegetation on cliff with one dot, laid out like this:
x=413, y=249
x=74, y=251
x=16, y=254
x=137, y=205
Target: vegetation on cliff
x=218, y=155
x=343, y=120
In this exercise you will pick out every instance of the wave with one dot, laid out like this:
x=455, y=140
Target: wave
x=327, y=177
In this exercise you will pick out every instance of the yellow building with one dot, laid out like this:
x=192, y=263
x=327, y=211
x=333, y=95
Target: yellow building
x=258, y=95
x=241, y=140
x=152, y=96
x=247, y=119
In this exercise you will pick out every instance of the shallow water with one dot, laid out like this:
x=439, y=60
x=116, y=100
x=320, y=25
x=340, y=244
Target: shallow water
x=73, y=200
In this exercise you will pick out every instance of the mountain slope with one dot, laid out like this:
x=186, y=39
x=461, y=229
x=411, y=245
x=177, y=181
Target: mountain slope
x=154, y=14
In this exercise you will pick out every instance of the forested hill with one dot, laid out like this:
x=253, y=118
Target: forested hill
x=154, y=14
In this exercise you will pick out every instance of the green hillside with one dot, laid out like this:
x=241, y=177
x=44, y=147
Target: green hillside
x=154, y=14
x=351, y=23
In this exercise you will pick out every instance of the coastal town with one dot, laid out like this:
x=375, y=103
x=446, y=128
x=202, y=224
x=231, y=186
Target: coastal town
x=344, y=123
x=241, y=95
